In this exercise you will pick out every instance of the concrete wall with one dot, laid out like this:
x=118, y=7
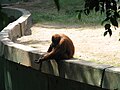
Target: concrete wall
x=78, y=70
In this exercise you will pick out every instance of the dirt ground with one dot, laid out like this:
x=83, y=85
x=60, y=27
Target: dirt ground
x=90, y=44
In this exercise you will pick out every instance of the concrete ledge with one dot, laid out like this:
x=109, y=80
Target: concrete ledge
x=112, y=78
x=10, y=50
x=12, y=12
x=78, y=70
x=21, y=26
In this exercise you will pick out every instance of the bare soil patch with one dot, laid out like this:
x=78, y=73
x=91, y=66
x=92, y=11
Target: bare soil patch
x=90, y=44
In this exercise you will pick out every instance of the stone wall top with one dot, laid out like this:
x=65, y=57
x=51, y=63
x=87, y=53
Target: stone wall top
x=14, y=30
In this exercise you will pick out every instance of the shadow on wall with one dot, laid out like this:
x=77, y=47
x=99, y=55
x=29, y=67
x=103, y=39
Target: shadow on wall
x=72, y=69
x=5, y=19
x=14, y=76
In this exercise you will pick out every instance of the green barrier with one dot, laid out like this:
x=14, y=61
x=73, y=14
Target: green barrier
x=14, y=76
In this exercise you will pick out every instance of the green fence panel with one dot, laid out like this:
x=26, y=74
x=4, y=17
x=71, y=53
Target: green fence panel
x=18, y=77
x=14, y=76
x=2, y=74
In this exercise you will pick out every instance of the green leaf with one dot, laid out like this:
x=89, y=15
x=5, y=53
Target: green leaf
x=110, y=32
x=105, y=33
x=117, y=14
x=79, y=16
x=57, y=4
x=107, y=26
x=105, y=20
x=114, y=21
x=97, y=8
x=87, y=11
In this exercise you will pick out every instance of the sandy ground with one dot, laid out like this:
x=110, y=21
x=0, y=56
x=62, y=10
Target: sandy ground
x=90, y=44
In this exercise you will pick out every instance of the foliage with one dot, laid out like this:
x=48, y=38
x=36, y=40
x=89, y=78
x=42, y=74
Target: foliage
x=3, y=19
x=109, y=7
x=46, y=13
x=57, y=4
